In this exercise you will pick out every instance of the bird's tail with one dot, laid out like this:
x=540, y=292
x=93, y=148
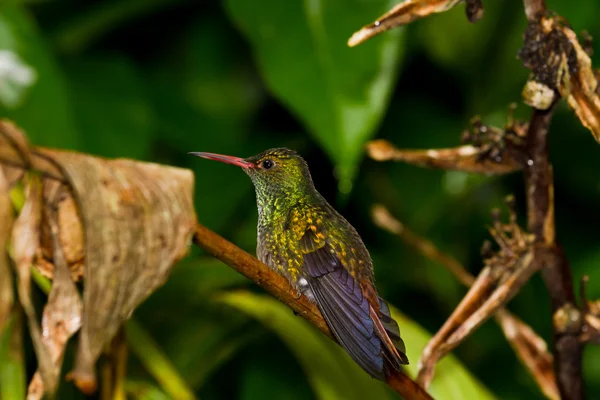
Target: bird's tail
x=389, y=333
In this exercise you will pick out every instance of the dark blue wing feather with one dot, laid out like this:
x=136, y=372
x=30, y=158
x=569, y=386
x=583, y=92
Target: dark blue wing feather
x=345, y=308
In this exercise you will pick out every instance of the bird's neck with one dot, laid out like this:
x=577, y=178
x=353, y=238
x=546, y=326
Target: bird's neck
x=275, y=203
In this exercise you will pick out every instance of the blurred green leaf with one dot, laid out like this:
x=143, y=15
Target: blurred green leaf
x=45, y=114
x=206, y=347
x=196, y=346
x=111, y=107
x=154, y=360
x=265, y=380
x=12, y=364
x=97, y=19
x=330, y=371
x=472, y=51
x=144, y=391
x=452, y=380
x=197, y=277
x=205, y=94
x=340, y=93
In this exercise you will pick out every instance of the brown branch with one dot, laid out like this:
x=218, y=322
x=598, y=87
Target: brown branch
x=530, y=348
x=486, y=150
x=554, y=266
x=408, y=11
x=464, y=158
x=279, y=287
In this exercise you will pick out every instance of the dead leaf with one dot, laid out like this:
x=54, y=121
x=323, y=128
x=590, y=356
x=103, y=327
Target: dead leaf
x=25, y=242
x=62, y=313
x=123, y=223
x=71, y=233
x=138, y=220
x=558, y=62
x=582, y=93
x=6, y=220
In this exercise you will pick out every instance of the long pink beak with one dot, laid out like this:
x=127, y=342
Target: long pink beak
x=240, y=162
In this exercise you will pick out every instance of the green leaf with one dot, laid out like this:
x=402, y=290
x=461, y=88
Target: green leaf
x=332, y=373
x=452, y=380
x=206, y=94
x=144, y=391
x=155, y=361
x=196, y=346
x=44, y=111
x=264, y=379
x=12, y=364
x=90, y=24
x=111, y=108
x=340, y=93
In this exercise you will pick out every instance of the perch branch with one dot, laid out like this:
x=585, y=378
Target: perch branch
x=278, y=286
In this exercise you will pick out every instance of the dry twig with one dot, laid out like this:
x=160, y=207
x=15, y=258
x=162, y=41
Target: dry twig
x=488, y=150
x=560, y=67
x=409, y=11
x=530, y=348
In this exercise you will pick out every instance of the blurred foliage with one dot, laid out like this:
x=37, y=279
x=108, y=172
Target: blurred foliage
x=154, y=79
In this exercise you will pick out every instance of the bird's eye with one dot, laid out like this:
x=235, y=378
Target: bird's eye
x=267, y=164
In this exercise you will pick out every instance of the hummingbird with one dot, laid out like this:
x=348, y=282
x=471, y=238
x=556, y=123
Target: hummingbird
x=302, y=237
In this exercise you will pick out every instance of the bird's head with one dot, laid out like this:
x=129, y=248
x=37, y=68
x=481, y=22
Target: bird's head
x=274, y=172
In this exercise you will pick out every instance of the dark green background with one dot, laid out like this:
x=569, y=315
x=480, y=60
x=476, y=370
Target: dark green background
x=154, y=79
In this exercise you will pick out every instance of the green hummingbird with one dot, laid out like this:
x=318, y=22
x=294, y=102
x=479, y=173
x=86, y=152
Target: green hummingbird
x=307, y=241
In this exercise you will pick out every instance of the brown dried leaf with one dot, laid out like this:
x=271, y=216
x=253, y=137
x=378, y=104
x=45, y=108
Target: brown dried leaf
x=6, y=220
x=559, y=62
x=71, y=233
x=62, y=313
x=25, y=242
x=581, y=93
x=125, y=223
x=138, y=220
x=405, y=13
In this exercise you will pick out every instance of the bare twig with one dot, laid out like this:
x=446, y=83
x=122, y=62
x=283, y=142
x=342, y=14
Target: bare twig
x=279, y=287
x=487, y=150
x=405, y=13
x=530, y=348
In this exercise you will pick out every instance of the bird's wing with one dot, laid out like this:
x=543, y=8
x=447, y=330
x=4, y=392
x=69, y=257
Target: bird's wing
x=354, y=322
